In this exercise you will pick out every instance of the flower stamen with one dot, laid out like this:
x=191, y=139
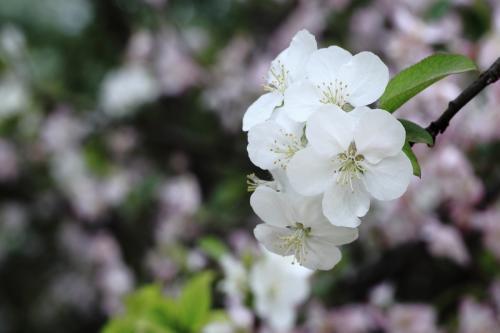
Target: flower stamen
x=295, y=243
x=285, y=147
x=350, y=166
x=334, y=93
x=278, y=78
x=253, y=182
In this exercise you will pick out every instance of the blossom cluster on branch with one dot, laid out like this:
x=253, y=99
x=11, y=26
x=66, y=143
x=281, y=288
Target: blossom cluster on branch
x=329, y=152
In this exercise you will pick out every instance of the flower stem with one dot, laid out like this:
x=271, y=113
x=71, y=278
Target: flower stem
x=491, y=75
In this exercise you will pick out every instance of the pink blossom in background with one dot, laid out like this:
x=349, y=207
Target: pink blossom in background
x=488, y=223
x=413, y=38
x=121, y=154
x=175, y=67
x=475, y=317
x=367, y=28
x=445, y=241
x=140, y=46
x=355, y=318
x=382, y=295
x=310, y=15
x=9, y=162
x=228, y=92
x=411, y=318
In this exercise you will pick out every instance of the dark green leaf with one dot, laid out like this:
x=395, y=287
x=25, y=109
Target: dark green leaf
x=413, y=159
x=416, y=78
x=415, y=133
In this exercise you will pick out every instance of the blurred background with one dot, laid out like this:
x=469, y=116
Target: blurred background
x=122, y=161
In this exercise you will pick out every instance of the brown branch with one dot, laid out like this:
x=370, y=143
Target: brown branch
x=486, y=78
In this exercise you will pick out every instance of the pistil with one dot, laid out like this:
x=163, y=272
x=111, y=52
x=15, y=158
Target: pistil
x=278, y=78
x=295, y=243
x=350, y=166
x=334, y=93
x=285, y=148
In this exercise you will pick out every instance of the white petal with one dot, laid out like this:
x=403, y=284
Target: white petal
x=309, y=173
x=287, y=123
x=281, y=318
x=296, y=55
x=271, y=207
x=266, y=140
x=333, y=234
x=269, y=237
x=301, y=101
x=308, y=211
x=378, y=135
x=321, y=255
x=330, y=130
x=281, y=182
x=261, y=109
x=366, y=77
x=342, y=205
x=260, y=142
x=324, y=64
x=389, y=178
x=358, y=112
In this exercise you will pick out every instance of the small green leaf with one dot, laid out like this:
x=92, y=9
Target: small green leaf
x=416, y=78
x=149, y=302
x=218, y=315
x=195, y=302
x=415, y=133
x=147, y=310
x=213, y=247
x=413, y=159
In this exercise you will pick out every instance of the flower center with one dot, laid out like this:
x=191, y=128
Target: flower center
x=333, y=93
x=278, y=78
x=253, y=182
x=285, y=147
x=295, y=243
x=349, y=166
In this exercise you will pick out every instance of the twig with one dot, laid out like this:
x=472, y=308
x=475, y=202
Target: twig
x=488, y=77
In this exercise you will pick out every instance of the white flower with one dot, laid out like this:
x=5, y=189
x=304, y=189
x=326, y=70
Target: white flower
x=235, y=281
x=273, y=143
x=127, y=88
x=278, y=287
x=279, y=183
x=14, y=96
x=286, y=69
x=334, y=76
x=296, y=226
x=220, y=326
x=351, y=156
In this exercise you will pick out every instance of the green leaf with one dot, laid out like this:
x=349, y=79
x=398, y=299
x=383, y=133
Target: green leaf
x=150, y=303
x=416, y=78
x=118, y=325
x=413, y=159
x=213, y=247
x=148, y=310
x=133, y=325
x=218, y=315
x=195, y=302
x=415, y=133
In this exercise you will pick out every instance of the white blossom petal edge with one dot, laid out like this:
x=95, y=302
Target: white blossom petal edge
x=271, y=145
x=294, y=225
x=363, y=159
x=334, y=76
x=287, y=68
x=278, y=287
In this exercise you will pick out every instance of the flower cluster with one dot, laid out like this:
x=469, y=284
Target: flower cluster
x=276, y=287
x=328, y=151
